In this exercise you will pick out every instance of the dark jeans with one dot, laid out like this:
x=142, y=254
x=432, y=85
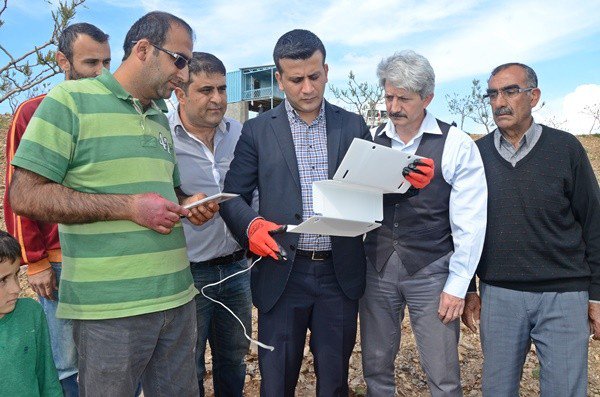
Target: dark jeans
x=215, y=324
x=70, y=387
x=156, y=348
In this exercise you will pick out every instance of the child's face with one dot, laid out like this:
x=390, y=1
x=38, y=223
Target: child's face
x=9, y=285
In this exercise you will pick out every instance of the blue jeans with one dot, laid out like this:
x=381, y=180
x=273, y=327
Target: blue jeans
x=64, y=352
x=225, y=335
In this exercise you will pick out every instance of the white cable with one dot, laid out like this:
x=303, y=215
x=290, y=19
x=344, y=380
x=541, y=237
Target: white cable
x=271, y=348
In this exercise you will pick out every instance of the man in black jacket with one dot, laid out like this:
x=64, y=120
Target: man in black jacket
x=540, y=268
x=282, y=152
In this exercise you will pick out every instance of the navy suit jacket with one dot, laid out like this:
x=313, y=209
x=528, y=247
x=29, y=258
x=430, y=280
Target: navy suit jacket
x=265, y=158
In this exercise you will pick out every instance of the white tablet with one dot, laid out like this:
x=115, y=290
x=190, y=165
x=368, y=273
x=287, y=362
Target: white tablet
x=364, y=162
x=215, y=198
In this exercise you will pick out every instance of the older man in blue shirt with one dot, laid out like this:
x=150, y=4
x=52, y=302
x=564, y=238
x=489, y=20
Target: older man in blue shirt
x=204, y=143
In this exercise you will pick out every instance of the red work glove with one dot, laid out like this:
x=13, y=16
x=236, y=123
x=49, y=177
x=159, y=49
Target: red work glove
x=419, y=173
x=260, y=241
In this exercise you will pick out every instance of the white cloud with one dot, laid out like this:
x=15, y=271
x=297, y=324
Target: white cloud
x=362, y=66
x=524, y=31
x=461, y=39
x=568, y=113
x=354, y=23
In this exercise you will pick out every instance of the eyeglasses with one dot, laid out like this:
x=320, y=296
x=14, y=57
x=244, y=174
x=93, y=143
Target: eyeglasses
x=507, y=92
x=180, y=61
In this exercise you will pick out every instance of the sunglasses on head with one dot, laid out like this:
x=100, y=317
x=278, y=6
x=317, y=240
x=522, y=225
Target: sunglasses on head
x=179, y=60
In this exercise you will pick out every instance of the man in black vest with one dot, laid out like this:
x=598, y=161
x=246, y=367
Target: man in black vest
x=427, y=250
x=540, y=268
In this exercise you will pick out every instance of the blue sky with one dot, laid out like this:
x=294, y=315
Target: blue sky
x=462, y=40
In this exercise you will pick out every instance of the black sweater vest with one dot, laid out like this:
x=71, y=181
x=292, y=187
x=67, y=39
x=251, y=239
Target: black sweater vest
x=417, y=227
x=533, y=239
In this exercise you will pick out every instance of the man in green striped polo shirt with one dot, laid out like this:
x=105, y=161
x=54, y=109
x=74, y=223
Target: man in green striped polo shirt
x=97, y=158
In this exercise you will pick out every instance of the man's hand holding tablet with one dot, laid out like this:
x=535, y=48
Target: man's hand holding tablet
x=215, y=198
x=203, y=208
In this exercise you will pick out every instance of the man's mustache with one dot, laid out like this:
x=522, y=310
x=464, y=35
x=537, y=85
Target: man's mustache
x=397, y=114
x=502, y=111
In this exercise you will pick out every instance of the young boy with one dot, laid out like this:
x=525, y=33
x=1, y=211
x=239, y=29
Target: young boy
x=26, y=365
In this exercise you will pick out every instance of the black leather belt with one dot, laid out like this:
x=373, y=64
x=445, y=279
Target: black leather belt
x=222, y=260
x=315, y=255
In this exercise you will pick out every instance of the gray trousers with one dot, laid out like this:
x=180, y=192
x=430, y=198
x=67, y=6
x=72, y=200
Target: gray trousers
x=381, y=314
x=557, y=323
x=157, y=349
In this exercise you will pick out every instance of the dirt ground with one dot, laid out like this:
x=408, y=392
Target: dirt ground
x=410, y=378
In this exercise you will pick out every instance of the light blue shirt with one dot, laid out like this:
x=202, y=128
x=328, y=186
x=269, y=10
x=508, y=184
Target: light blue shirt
x=527, y=142
x=204, y=171
x=462, y=168
x=310, y=143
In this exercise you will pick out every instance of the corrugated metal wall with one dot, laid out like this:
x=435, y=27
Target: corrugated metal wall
x=234, y=86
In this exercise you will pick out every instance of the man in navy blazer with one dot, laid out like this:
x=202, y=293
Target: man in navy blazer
x=281, y=152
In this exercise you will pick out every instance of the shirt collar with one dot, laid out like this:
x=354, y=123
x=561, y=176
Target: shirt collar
x=109, y=81
x=428, y=126
x=499, y=139
x=177, y=125
x=293, y=115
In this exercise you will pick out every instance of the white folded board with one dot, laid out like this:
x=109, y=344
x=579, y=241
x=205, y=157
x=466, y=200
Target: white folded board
x=352, y=202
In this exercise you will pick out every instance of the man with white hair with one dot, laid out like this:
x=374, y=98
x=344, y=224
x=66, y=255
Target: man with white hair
x=426, y=251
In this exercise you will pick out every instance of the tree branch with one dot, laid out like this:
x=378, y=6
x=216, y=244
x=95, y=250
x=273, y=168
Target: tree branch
x=16, y=74
x=26, y=87
x=3, y=7
x=362, y=96
x=13, y=62
x=594, y=112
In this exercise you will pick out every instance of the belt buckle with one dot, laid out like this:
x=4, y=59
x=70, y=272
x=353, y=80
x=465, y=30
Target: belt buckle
x=312, y=256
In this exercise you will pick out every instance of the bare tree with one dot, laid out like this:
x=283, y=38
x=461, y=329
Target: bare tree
x=30, y=70
x=594, y=112
x=481, y=113
x=555, y=122
x=461, y=106
x=363, y=96
x=472, y=106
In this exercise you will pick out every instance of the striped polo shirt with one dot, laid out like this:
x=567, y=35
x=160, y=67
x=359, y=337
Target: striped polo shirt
x=92, y=136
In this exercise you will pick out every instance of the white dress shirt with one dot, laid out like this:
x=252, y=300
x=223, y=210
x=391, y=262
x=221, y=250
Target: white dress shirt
x=462, y=168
